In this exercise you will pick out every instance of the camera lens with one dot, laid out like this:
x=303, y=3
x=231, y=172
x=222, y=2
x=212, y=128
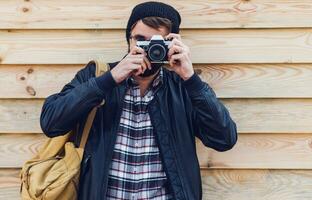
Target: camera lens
x=157, y=52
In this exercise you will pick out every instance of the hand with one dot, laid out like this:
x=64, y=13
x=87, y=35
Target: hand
x=179, y=57
x=135, y=63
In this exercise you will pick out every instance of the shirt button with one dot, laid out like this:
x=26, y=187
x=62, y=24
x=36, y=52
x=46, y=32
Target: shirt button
x=134, y=169
x=136, y=144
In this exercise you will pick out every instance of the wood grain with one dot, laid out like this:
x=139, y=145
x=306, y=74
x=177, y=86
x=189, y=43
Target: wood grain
x=96, y=14
x=256, y=55
x=227, y=80
x=261, y=151
x=219, y=184
x=257, y=184
x=251, y=115
x=207, y=46
x=258, y=80
x=34, y=81
x=9, y=184
x=252, y=151
x=15, y=149
x=20, y=116
x=271, y=115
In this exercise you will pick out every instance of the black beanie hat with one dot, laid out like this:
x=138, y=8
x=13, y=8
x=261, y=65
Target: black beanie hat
x=154, y=9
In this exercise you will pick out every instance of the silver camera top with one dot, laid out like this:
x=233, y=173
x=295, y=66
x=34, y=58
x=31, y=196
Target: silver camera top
x=156, y=49
x=154, y=38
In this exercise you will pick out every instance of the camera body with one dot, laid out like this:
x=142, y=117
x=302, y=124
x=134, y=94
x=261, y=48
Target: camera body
x=156, y=49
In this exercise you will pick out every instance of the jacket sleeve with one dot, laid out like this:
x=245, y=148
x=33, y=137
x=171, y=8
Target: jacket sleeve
x=62, y=111
x=211, y=120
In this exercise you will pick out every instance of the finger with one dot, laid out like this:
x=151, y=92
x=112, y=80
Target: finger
x=176, y=42
x=138, y=65
x=148, y=63
x=139, y=70
x=136, y=69
x=138, y=73
x=174, y=50
x=130, y=58
x=137, y=50
x=137, y=56
x=136, y=60
x=176, y=58
x=168, y=66
x=144, y=66
x=173, y=35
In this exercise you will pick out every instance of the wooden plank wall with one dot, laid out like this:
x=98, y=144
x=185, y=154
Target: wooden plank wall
x=256, y=54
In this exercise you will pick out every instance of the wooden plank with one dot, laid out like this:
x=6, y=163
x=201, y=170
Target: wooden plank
x=258, y=80
x=227, y=80
x=60, y=46
x=252, y=151
x=207, y=46
x=20, y=116
x=9, y=184
x=15, y=149
x=257, y=184
x=9, y=177
x=96, y=14
x=34, y=81
x=261, y=151
x=271, y=115
x=219, y=184
x=251, y=115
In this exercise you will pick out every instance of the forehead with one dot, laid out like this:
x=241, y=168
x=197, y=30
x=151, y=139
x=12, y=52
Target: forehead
x=141, y=29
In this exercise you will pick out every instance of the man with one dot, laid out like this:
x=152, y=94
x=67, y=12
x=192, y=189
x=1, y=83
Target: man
x=142, y=141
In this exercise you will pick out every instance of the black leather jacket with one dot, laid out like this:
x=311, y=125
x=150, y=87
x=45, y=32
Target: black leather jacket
x=180, y=111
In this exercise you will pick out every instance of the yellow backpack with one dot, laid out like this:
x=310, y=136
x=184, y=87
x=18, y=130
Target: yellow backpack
x=54, y=172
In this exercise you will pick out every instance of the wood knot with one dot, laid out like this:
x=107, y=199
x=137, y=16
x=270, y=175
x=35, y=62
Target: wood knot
x=22, y=78
x=198, y=71
x=30, y=70
x=31, y=90
x=25, y=9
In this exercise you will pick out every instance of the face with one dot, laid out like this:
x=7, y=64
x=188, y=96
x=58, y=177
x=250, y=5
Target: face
x=144, y=32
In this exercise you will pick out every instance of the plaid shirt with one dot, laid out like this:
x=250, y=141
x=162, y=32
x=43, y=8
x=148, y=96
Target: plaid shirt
x=136, y=170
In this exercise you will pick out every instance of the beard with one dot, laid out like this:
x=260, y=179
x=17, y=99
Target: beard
x=150, y=72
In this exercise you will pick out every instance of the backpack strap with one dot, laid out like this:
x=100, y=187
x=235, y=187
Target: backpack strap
x=87, y=127
x=100, y=68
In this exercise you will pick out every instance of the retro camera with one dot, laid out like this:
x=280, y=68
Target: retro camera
x=156, y=49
